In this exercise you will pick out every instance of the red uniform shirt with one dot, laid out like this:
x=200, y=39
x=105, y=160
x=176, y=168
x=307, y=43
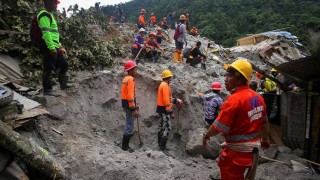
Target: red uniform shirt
x=241, y=116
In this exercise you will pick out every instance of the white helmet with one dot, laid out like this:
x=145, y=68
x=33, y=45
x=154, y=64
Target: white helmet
x=142, y=30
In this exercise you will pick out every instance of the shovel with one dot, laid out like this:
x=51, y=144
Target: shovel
x=177, y=135
x=137, y=54
x=141, y=143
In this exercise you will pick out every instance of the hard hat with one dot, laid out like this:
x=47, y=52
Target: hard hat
x=152, y=34
x=164, y=18
x=216, y=86
x=242, y=66
x=166, y=74
x=129, y=65
x=142, y=11
x=259, y=75
x=159, y=29
x=152, y=14
x=142, y=30
x=182, y=17
x=135, y=46
x=273, y=70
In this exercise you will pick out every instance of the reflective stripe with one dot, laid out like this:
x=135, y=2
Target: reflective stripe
x=124, y=82
x=242, y=137
x=221, y=126
x=167, y=105
x=130, y=101
x=49, y=30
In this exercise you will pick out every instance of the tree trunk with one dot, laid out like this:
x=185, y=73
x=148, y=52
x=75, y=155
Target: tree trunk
x=34, y=156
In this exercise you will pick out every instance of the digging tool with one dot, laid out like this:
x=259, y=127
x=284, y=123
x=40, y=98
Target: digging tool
x=177, y=135
x=137, y=54
x=141, y=143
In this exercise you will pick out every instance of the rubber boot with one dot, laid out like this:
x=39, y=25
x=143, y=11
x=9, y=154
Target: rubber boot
x=50, y=92
x=180, y=57
x=176, y=57
x=163, y=144
x=125, y=143
x=63, y=81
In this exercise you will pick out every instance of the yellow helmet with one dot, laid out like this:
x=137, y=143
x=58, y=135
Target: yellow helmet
x=243, y=66
x=166, y=74
x=273, y=70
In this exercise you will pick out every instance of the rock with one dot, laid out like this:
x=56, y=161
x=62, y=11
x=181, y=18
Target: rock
x=94, y=127
x=194, y=145
x=298, y=152
x=40, y=99
x=284, y=149
x=271, y=151
x=56, y=106
x=211, y=71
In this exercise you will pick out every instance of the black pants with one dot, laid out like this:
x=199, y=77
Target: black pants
x=194, y=61
x=269, y=100
x=50, y=64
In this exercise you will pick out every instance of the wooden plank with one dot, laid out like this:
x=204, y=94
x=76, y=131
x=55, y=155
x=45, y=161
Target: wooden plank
x=274, y=134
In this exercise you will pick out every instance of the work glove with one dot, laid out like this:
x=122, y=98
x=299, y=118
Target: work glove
x=135, y=114
x=53, y=53
x=62, y=50
x=179, y=102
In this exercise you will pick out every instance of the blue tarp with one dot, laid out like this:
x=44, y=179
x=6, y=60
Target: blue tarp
x=280, y=33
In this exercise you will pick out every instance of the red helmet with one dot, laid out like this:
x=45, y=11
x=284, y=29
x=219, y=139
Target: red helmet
x=259, y=75
x=142, y=11
x=216, y=86
x=153, y=34
x=129, y=65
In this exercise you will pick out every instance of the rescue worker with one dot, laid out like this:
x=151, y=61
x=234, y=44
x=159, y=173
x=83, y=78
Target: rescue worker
x=177, y=57
x=195, y=56
x=170, y=18
x=164, y=109
x=138, y=42
x=141, y=21
x=194, y=32
x=111, y=21
x=164, y=25
x=51, y=49
x=129, y=103
x=212, y=103
x=152, y=20
x=160, y=35
x=242, y=121
x=152, y=48
x=187, y=21
x=269, y=91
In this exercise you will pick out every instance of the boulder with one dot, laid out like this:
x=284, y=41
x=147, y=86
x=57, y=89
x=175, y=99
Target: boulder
x=194, y=145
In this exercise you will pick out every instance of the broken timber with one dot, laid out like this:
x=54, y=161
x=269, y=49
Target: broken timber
x=34, y=156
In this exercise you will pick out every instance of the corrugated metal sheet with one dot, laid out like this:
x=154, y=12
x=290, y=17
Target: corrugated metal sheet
x=307, y=69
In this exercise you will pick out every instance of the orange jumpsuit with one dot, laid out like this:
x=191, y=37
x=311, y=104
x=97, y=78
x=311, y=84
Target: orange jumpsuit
x=240, y=121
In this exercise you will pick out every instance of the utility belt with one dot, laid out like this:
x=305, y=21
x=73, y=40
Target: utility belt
x=243, y=147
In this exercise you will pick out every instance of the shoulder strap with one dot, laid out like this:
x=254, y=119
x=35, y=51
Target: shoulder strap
x=45, y=13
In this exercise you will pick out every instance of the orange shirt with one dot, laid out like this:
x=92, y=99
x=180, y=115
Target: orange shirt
x=153, y=19
x=128, y=92
x=164, y=104
x=241, y=116
x=141, y=20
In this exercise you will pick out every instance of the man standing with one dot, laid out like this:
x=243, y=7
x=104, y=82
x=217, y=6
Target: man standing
x=164, y=108
x=242, y=121
x=51, y=48
x=141, y=20
x=129, y=103
x=180, y=37
x=212, y=102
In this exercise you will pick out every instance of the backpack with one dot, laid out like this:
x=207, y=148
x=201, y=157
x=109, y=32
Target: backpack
x=35, y=31
x=176, y=33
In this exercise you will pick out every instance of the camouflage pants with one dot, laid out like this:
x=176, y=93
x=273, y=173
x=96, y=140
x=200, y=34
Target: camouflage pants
x=165, y=125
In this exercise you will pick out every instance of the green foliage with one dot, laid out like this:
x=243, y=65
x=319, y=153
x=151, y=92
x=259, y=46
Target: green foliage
x=227, y=20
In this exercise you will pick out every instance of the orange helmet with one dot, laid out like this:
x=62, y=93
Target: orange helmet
x=259, y=75
x=142, y=11
x=135, y=46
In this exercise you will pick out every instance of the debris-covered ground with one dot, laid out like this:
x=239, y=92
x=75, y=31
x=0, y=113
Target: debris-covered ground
x=91, y=120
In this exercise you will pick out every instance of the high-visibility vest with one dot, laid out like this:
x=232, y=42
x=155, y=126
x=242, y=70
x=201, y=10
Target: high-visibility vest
x=128, y=92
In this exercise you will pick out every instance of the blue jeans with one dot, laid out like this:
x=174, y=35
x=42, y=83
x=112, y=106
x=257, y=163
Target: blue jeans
x=129, y=126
